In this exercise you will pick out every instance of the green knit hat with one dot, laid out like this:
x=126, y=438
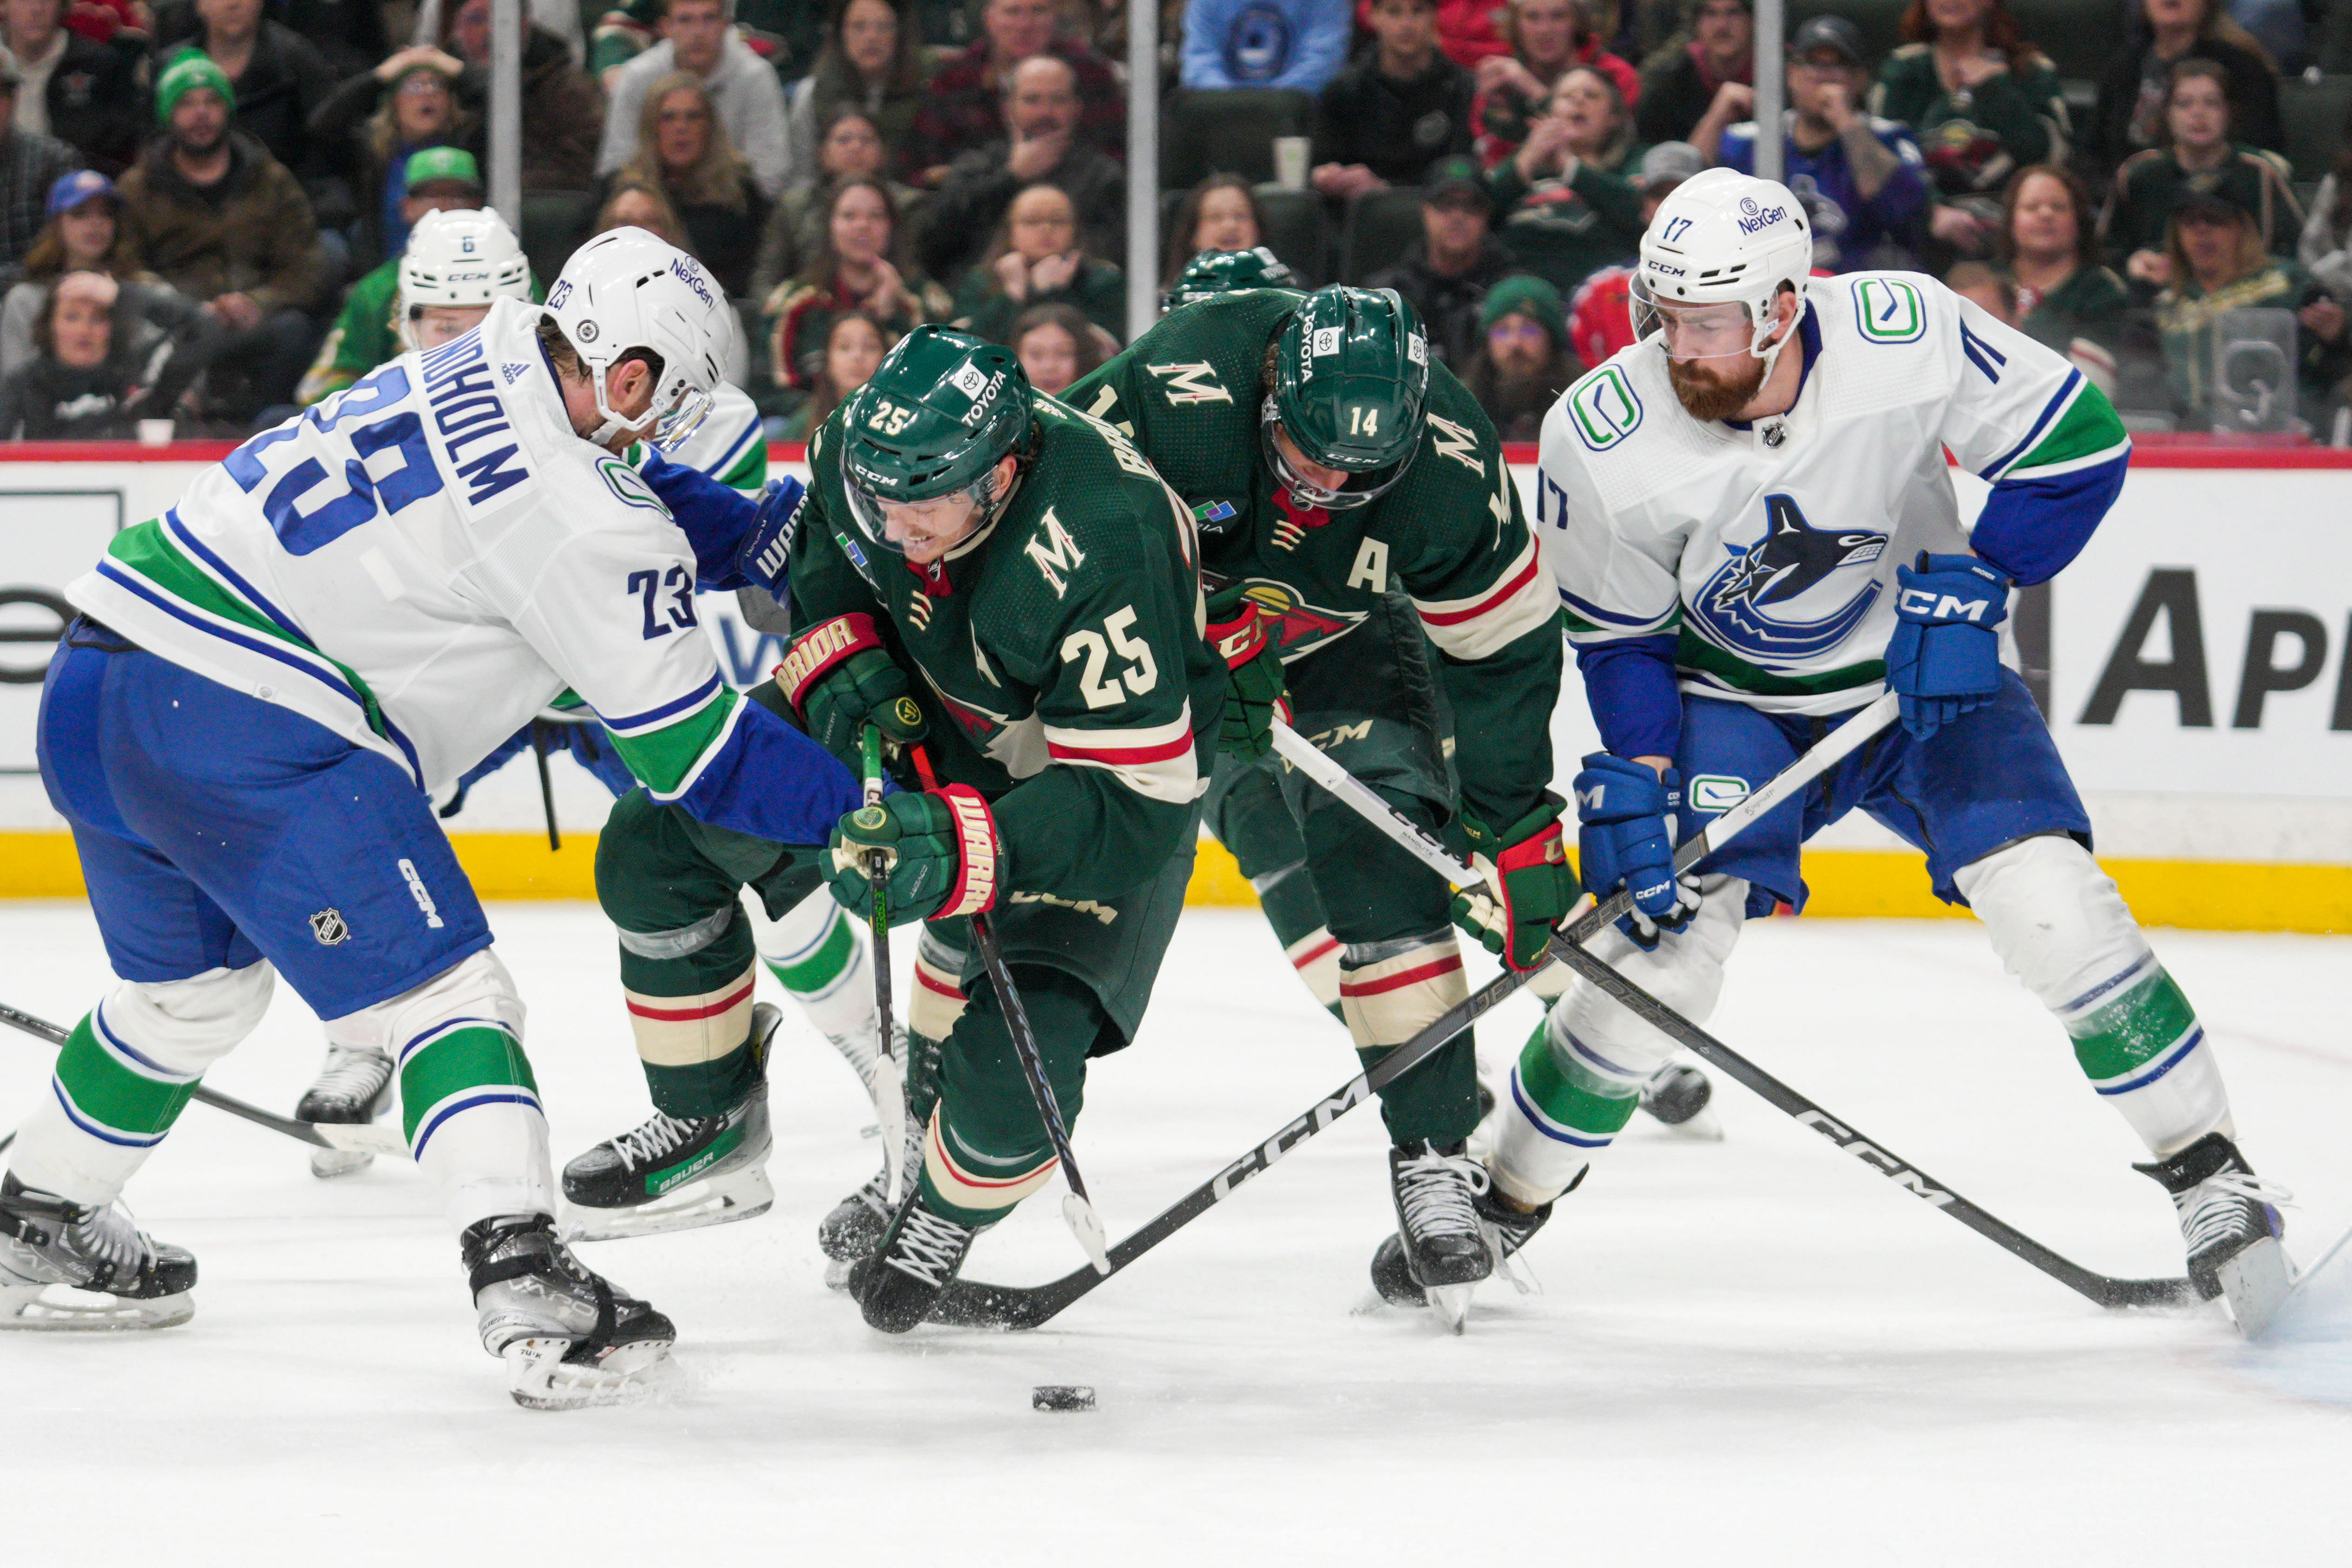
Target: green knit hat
x=190, y=71
x=1528, y=297
x=452, y=166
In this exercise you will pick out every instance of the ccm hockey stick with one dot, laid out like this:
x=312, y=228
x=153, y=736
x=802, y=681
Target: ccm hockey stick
x=888, y=1085
x=358, y=1138
x=970, y=1303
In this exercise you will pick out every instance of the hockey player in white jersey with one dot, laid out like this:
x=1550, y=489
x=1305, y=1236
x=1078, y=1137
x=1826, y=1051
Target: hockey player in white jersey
x=245, y=723
x=1753, y=529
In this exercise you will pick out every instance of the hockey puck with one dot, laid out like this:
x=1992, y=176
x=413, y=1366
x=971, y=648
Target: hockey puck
x=1061, y=1396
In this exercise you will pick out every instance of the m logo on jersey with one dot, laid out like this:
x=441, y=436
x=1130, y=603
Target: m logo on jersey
x=1789, y=563
x=1603, y=409
x=1054, y=552
x=1889, y=312
x=1194, y=383
x=1458, y=442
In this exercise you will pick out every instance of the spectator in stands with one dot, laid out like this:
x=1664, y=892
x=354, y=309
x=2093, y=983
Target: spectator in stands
x=853, y=271
x=85, y=383
x=684, y=149
x=849, y=148
x=1705, y=72
x=2064, y=296
x=698, y=37
x=562, y=108
x=30, y=166
x=1992, y=292
x=1523, y=364
x=2218, y=264
x=367, y=333
x=963, y=110
x=2325, y=248
x=1600, y=314
x=1567, y=209
x=2197, y=150
x=1870, y=193
x=280, y=79
x=1297, y=44
x=1055, y=345
x=633, y=203
x=84, y=94
x=1042, y=118
x=1221, y=213
x=1446, y=275
x=1039, y=258
x=871, y=63
x=854, y=346
x=1468, y=31
x=1981, y=101
x=407, y=103
x=2129, y=117
x=1546, y=37
x=84, y=233
x=210, y=211
x=1396, y=109
x=348, y=34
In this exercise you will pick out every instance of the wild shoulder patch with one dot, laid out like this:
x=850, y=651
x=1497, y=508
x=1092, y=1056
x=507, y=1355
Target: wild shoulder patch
x=1889, y=312
x=1603, y=408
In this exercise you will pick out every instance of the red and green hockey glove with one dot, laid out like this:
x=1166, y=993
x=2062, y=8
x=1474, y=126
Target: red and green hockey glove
x=941, y=855
x=839, y=678
x=1529, y=886
x=1248, y=637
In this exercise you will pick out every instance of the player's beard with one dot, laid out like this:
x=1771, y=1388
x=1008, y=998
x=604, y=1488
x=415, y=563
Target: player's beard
x=1708, y=396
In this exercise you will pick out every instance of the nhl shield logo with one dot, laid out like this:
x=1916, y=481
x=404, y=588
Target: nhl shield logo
x=329, y=927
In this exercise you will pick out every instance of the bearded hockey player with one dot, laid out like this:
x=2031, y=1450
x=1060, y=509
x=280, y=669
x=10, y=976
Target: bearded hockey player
x=242, y=729
x=1355, y=513
x=1036, y=573
x=1748, y=516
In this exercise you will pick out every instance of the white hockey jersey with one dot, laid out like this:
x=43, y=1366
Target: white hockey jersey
x=423, y=562
x=1768, y=555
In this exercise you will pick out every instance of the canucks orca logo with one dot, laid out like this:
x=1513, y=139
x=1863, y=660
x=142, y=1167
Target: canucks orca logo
x=1790, y=562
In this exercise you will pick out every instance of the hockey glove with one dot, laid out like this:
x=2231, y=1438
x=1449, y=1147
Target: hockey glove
x=839, y=678
x=1529, y=885
x=940, y=850
x=1945, y=656
x=1248, y=637
x=767, y=545
x=1628, y=839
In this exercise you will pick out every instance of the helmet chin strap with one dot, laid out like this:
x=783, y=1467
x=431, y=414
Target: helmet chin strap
x=1771, y=355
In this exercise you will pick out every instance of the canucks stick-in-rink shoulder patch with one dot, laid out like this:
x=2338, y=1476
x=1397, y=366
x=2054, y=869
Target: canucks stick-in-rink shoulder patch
x=629, y=485
x=1889, y=312
x=1713, y=793
x=1603, y=408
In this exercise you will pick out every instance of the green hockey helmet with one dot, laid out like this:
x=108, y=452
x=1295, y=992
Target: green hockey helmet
x=939, y=413
x=1214, y=273
x=1350, y=390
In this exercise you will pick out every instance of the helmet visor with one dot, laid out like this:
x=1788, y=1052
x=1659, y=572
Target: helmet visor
x=1356, y=490
x=953, y=517
x=1690, y=331
x=683, y=416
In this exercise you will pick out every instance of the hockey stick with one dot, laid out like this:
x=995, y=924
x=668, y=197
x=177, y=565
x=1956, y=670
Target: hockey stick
x=358, y=1137
x=546, y=784
x=887, y=1086
x=971, y=1303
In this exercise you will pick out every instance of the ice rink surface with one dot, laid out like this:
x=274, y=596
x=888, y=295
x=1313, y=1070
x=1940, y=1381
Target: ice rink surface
x=1747, y=1352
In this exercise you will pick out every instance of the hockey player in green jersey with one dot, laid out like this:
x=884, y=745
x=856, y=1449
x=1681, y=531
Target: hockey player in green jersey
x=1030, y=568
x=1357, y=495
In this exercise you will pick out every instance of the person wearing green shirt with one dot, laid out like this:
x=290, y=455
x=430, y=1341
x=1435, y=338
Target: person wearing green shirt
x=1568, y=210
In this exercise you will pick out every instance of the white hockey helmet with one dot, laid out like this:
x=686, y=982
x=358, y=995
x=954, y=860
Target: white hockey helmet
x=459, y=259
x=627, y=289
x=1724, y=237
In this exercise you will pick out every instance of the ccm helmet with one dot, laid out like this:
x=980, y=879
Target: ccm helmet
x=458, y=259
x=1214, y=273
x=938, y=415
x=1724, y=237
x=1350, y=390
x=626, y=290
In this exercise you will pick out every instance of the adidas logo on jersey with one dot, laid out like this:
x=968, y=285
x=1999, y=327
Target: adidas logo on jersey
x=514, y=372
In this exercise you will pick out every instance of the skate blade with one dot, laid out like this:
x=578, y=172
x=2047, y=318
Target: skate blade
x=2257, y=1283
x=539, y=1377
x=721, y=1200
x=1450, y=1303
x=327, y=1164
x=62, y=1309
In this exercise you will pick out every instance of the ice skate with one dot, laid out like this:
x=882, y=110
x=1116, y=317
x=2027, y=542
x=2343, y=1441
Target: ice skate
x=1506, y=1228
x=1438, y=1235
x=353, y=1088
x=675, y=1172
x=1677, y=1097
x=855, y=1226
x=897, y=1288
x=65, y=1265
x=569, y=1336
x=2231, y=1222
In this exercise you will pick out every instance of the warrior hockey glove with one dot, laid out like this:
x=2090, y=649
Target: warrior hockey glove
x=767, y=544
x=1248, y=637
x=1945, y=656
x=1529, y=886
x=1628, y=838
x=940, y=849
x=839, y=678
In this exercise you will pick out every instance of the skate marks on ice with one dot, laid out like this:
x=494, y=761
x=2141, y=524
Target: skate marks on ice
x=2306, y=1350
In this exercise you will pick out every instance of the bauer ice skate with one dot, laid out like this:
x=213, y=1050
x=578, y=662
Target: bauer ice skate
x=569, y=1337
x=352, y=1089
x=2230, y=1223
x=897, y=1287
x=69, y=1265
x=1438, y=1235
x=679, y=1172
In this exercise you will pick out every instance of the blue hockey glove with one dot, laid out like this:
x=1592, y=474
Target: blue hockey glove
x=1945, y=656
x=769, y=540
x=1627, y=838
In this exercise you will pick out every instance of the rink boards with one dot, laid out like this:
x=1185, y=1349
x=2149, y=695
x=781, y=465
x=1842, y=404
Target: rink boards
x=2199, y=660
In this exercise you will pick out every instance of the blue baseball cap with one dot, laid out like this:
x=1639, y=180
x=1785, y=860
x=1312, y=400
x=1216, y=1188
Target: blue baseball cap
x=72, y=189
